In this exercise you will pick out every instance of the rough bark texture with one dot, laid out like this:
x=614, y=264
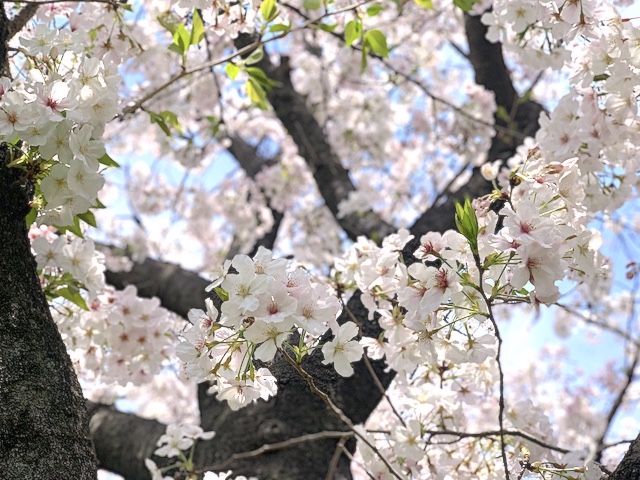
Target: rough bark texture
x=44, y=432
x=629, y=468
x=43, y=424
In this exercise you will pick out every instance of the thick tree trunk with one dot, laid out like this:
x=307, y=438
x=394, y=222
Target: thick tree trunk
x=629, y=468
x=44, y=432
x=43, y=425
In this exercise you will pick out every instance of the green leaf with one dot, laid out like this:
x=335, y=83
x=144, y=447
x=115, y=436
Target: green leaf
x=467, y=224
x=108, y=161
x=181, y=40
x=374, y=9
x=312, y=4
x=352, y=32
x=176, y=49
x=377, y=41
x=363, y=58
x=232, y=70
x=255, y=56
x=428, y=4
x=259, y=75
x=155, y=118
x=75, y=228
x=166, y=22
x=197, y=29
x=73, y=295
x=31, y=216
x=269, y=10
x=465, y=5
x=327, y=27
x=280, y=27
x=171, y=118
x=89, y=218
x=222, y=293
x=256, y=93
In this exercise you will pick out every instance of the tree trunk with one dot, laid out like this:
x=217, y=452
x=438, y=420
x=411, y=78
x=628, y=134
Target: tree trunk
x=44, y=431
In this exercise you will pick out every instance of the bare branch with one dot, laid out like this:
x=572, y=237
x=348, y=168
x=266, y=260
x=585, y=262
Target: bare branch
x=497, y=433
x=122, y=440
x=629, y=378
x=18, y=22
x=332, y=179
x=272, y=447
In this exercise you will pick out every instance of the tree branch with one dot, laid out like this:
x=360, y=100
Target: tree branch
x=123, y=441
x=332, y=179
x=491, y=72
x=18, y=22
x=616, y=405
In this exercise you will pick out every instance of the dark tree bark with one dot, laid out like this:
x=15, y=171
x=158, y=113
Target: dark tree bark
x=43, y=422
x=629, y=468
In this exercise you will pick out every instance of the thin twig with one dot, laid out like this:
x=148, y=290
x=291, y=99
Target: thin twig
x=333, y=464
x=495, y=433
x=480, y=289
x=271, y=447
x=604, y=326
x=616, y=405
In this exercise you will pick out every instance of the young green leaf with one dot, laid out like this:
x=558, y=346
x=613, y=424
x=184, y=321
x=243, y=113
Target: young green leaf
x=377, y=41
x=171, y=118
x=428, y=4
x=232, y=70
x=312, y=4
x=352, y=32
x=467, y=224
x=327, y=27
x=259, y=75
x=73, y=295
x=108, y=161
x=280, y=27
x=269, y=10
x=181, y=40
x=167, y=22
x=374, y=9
x=256, y=93
x=89, y=218
x=31, y=216
x=255, y=56
x=155, y=118
x=465, y=5
x=222, y=293
x=197, y=29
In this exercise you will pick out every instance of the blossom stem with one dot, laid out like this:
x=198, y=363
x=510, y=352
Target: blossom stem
x=500, y=372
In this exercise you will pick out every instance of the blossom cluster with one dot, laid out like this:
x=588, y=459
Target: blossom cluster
x=177, y=439
x=121, y=338
x=265, y=303
x=77, y=257
x=55, y=115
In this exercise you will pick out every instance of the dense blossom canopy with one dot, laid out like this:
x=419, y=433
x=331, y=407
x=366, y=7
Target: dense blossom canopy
x=291, y=153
